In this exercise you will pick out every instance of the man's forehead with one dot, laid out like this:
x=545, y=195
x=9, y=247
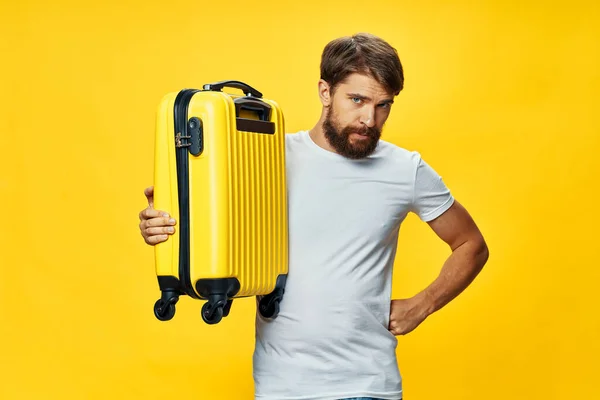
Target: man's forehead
x=364, y=85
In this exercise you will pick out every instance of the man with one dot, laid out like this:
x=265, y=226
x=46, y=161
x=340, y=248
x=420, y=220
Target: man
x=349, y=191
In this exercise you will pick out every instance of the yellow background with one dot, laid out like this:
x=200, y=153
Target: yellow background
x=501, y=98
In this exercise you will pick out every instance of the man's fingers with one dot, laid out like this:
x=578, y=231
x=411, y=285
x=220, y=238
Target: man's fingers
x=149, y=213
x=160, y=221
x=156, y=239
x=396, y=331
x=160, y=230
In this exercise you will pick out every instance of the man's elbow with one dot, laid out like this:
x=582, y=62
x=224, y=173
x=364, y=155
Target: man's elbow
x=481, y=251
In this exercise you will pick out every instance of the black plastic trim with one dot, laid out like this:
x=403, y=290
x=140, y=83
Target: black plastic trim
x=167, y=282
x=226, y=288
x=247, y=89
x=253, y=125
x=196, y=130
x=180, y=111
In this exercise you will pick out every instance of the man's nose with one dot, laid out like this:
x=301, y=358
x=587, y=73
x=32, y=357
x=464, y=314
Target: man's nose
x=368, y=117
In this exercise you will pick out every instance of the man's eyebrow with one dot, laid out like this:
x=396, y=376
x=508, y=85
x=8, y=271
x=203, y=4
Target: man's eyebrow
x=362, y=97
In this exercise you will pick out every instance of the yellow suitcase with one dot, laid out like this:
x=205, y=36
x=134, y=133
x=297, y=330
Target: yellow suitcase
x=220, y=171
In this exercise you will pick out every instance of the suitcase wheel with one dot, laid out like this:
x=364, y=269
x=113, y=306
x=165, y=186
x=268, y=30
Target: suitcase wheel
x=165, y=310
x=269, y=307
x=215, y=309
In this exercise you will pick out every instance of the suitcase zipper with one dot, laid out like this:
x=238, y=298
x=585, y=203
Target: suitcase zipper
x=182, y=144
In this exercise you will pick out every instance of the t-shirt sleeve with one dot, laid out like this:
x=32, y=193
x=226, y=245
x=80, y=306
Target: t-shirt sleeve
x=431, y=196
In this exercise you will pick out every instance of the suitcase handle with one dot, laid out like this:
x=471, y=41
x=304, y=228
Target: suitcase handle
x=251, y=104
x=247, y=89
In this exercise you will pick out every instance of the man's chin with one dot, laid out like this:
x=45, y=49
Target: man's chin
x=360, y=150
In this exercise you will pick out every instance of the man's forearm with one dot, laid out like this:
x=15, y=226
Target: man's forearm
x=459, y=270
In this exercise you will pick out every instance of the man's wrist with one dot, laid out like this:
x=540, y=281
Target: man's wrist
x=425, y=303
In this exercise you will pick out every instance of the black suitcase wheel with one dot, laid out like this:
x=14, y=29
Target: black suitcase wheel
x=164, y=311
x=212, y=314
x=268, y=307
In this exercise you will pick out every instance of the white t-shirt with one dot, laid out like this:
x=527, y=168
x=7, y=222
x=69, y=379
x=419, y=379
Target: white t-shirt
x=331, y=339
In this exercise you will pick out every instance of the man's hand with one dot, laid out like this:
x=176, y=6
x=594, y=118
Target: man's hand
x=406, y=315
x=155, y=225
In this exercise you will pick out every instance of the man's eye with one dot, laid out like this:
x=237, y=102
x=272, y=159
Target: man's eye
x=356, y=99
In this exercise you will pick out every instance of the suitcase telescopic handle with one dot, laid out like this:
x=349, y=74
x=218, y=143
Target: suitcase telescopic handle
x=247, y=89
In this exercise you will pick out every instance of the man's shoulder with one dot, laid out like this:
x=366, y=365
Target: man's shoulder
x=294, y=141
x=293, y=136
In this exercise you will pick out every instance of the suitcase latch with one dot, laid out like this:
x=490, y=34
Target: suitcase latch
x=178, y=140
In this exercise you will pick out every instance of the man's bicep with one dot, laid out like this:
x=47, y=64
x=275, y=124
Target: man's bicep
x=455, y=226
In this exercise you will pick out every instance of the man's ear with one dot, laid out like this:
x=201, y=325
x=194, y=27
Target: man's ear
x=324, y=93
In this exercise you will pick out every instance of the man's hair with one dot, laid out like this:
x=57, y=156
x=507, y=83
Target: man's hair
x=362, y=53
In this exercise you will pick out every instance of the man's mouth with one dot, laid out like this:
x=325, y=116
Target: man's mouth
x=362, y=135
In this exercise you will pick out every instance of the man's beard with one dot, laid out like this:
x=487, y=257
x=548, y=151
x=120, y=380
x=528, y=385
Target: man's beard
x=340, y=140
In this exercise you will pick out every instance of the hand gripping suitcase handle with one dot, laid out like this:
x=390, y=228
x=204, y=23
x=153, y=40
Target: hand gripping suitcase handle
x=247, y=89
